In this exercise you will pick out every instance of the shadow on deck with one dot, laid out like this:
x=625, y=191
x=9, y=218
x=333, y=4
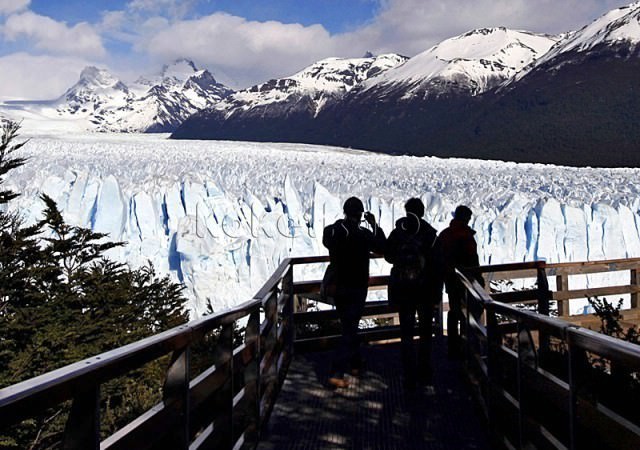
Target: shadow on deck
x=374, y=412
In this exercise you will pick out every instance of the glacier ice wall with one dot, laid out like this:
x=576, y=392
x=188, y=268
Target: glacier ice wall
x=220, y=216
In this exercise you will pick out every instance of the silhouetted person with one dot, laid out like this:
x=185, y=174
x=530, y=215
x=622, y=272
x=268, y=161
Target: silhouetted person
x=412, y=289
x=349, y=247
x=456, y=248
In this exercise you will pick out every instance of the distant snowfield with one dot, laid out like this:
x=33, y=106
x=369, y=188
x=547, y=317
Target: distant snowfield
x=219, y=216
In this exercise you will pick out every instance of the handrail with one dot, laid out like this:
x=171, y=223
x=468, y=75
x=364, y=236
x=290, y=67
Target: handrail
x=533, y=396
x=268, y=353
x=245, y=379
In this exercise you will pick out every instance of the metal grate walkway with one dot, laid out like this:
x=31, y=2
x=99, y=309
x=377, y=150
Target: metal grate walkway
x=374, y=412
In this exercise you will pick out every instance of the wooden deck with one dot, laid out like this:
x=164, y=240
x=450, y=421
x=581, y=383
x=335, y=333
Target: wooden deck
x=374, y=412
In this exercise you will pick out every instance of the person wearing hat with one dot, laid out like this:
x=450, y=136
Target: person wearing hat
x=412, y=289
x=456, y=247
x=349, y=247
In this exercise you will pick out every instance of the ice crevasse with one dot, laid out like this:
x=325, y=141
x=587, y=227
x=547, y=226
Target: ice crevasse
x=220, y=216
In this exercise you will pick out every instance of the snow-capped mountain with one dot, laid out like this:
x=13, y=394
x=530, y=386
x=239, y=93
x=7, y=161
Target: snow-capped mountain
x=298, y=97
x=99, y=101
x=287, y=109
x=490, y=94
x=617, y=29
x=320, y=82
x=471, y=63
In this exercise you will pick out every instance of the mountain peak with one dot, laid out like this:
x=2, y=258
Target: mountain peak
x=180, y=68
x=95, y=76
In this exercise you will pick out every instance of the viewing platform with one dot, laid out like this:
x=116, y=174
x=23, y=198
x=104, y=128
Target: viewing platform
x=525, y=379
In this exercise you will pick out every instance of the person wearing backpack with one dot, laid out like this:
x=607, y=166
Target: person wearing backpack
x=350, y=246
x=456, y=248
x=412, y=289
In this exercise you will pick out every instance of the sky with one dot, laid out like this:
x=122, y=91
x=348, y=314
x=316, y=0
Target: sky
x=44, y=44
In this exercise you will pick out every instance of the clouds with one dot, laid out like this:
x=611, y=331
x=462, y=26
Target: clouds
x=241, y=52
x=172, y=8
x=11, y=6
x=249, y=50
x=55, y=37
x=21, y=75
x=412, y=26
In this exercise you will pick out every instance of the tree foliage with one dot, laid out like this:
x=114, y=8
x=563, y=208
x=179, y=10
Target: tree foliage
x=62, y=300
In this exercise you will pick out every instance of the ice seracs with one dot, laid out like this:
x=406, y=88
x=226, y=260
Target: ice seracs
x=219, y=217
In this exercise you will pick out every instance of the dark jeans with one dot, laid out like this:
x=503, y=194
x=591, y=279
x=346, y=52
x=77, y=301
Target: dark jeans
x=420, y=368
x=350, y=306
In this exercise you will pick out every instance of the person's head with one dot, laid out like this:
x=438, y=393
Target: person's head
x=353, y=209
x=462, y=213
x=414, y=206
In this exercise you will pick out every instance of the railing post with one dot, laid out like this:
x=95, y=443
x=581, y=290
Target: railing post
x=287, y=318
x=544, y=296
x=175, y=395
x=269, y=378
x=562, y=284
x=493, y=344
x=634, y=282
x=252, y=380
x=224, y=358
x=82, y=430
x=573, y=391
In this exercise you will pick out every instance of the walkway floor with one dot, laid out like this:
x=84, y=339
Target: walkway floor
x=374, y=412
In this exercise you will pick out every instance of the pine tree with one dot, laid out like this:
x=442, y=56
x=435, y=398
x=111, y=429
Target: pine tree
x=62, y=300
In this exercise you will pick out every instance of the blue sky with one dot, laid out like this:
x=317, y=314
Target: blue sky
x=44, y=44
x=336, y=15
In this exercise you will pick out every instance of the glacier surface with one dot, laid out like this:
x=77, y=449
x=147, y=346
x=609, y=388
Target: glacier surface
x=220, y=216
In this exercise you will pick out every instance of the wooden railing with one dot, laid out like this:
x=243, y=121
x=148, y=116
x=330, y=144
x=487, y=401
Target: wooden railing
x=225, y=406
x=527, y=396
x=563, y=273
x=543, y=382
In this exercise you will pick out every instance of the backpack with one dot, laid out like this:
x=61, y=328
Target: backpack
x=410, y=263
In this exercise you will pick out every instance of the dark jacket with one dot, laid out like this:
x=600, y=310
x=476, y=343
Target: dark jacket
x=456, y=248
x=412, y=230
x=349, y=247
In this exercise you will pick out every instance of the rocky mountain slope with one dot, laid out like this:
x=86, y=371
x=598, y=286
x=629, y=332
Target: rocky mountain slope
x=99, y=101
x=489, y=94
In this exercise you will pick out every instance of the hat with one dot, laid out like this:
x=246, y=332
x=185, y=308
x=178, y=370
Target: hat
x=353, y=206
x=462, y=213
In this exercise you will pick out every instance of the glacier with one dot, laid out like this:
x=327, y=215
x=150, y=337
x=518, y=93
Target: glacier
x=219, y=216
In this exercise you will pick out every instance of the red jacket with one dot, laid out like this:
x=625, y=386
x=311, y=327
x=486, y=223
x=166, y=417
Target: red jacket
x=456, y=247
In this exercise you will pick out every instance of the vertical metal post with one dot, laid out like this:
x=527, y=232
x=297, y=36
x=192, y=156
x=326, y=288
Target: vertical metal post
x=573, y=391
x=175, y=395
x=544, y=296
x=224, y=360
x=82, y=430
x=562, y=284
x=252, y=380
x=493, y=344
x=634, y=282
x=269, y=378
x=287, y=316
